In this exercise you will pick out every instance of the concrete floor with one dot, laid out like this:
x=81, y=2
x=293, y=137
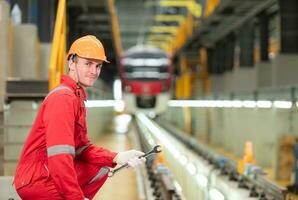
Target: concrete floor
x=122, y=185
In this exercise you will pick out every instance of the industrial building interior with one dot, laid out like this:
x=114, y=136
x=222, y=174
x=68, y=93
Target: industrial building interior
x=228, y=128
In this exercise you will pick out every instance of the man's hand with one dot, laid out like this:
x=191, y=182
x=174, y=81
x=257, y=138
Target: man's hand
x=130, y=157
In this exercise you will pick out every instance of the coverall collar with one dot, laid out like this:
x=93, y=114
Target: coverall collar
x=69, y=82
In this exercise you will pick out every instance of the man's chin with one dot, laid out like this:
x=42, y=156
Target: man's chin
x=88, y=84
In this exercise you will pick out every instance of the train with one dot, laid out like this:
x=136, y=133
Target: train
x=146, y=76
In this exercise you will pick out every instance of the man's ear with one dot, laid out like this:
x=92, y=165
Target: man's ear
x=71, y=65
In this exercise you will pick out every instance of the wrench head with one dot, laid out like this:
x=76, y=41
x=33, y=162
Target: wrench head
x=157, y=149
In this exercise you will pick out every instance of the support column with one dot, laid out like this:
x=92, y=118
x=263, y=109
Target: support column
x=45, y=20
x=214, y=70
x=264, y=67
x=289, y=29
x=285, y=68
x=245, y=77
x=264, y=35
x=1, y=143
x=229, y=61
x=230, y=52
x=73, y=32
x=4, y=64
x=219, y=58
x=210, y=60
x=246, y=39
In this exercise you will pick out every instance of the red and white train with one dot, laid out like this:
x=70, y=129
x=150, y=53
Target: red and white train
x=146, y=74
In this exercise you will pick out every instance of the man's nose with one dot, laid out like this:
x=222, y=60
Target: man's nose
x=94, y=69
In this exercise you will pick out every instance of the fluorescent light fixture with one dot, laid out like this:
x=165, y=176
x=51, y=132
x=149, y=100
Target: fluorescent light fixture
x=202, y=180
x=264, y=104
x=236, y=104
x=282, y=104
x=179, y=18
x=100, y=103
x=191, y=168
x=230, y=103
x=227, y=104
x=164, y=29
x=117, y=89
x=119, y=106
x=159, y=37
x=194, y=7
x=249, y=104
x=216, y=194
x=188, y=103
x=211, y=103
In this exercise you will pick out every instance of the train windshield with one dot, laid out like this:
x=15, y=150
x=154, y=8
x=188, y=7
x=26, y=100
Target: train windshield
x=146, y=68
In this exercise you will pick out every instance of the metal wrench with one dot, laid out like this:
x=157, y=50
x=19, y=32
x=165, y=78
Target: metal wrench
x=156, y=149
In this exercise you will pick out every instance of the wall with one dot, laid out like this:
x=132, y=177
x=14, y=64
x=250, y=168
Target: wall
x=19, y=117
x=229, y=128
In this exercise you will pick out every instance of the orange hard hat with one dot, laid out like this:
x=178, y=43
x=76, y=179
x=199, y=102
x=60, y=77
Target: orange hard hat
x=88, y=47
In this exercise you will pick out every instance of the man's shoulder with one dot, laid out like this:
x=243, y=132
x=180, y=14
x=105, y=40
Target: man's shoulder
x=61, y=92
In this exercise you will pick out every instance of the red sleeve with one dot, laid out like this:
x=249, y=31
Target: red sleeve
x=59, y=118
x=97, y=155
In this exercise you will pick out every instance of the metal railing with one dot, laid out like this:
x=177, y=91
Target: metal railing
x=115, y=27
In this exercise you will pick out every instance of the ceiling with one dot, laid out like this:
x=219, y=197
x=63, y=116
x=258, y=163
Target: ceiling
x=93, y=17
x=227, y=18
x=148, y=21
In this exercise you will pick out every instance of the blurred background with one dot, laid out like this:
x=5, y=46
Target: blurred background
x=214, y=82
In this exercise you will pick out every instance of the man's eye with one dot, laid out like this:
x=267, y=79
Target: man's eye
x=87, y=63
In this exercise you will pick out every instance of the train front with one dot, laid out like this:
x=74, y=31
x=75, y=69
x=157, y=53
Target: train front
x=146, y=74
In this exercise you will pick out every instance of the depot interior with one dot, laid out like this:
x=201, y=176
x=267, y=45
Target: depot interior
x=227, y=122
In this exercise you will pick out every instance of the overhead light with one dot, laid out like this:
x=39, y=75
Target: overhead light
x=179, y=18
x=227, y=104
x=282, y=104
x=194, y=7
x=117, y=89
x=231, y=104
x=264, y=104
x=236, y=103
x=119, y=106
x=164, y=29
x=100, y=103
x=158, y=37
x=249, y=104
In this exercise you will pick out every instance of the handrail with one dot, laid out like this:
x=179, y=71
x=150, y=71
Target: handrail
x=57, y=61
x=115, y=27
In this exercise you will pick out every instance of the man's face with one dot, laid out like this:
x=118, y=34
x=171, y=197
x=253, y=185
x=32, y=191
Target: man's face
x=88, y=70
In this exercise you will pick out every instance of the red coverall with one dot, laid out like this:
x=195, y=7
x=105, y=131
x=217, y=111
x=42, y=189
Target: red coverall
x=58, y=161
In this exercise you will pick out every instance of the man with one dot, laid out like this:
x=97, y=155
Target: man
x=58, y=161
